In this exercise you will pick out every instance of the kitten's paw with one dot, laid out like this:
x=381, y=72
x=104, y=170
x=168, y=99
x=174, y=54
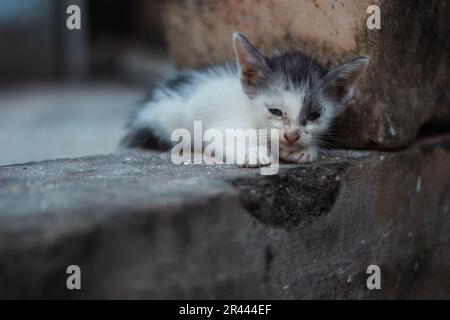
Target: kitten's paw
x=302, y=156
x=256, y=159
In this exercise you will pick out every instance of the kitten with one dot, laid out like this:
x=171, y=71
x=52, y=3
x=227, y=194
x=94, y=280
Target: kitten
x=288, y=91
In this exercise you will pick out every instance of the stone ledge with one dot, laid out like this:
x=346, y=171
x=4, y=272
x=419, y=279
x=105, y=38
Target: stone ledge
x=141, y=227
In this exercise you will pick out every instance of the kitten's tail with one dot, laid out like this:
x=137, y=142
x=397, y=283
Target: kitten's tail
x=144, y=138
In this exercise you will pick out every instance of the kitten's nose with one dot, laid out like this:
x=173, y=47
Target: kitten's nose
x=292, y=137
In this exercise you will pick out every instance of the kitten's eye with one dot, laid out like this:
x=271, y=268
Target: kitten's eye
x=313, y=116
x=276, y=112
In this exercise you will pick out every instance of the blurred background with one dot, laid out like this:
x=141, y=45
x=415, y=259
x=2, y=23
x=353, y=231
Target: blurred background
x=69, y=93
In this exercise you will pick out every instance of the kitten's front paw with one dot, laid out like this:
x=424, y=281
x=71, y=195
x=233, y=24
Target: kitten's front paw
x=302, y=156
x=256, y=159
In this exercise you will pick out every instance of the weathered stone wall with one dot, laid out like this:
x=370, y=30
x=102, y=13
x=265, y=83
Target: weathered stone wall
x=407, y=83
x=141, y=227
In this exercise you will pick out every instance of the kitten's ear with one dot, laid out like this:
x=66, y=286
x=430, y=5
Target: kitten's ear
x=253, y=69
x=342, y=79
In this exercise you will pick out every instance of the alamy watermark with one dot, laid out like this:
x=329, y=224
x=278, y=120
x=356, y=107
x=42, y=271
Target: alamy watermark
x=374, y=280
x=374, y=20
x=73, y=21
x=73, y=281
x=249, y=148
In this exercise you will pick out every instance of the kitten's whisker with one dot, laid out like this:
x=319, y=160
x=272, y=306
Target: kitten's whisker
x=318, y=149
x=326, y=146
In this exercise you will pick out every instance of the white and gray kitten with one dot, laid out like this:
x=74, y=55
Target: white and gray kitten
x=288, y=91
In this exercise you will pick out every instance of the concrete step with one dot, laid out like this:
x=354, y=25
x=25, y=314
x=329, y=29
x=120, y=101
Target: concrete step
x=407, y=83
x=139, y=226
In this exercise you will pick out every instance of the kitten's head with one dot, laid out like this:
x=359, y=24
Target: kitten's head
x=298, y=96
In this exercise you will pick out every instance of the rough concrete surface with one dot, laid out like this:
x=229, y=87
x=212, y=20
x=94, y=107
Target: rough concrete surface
x=407, y=83
x=141, y=227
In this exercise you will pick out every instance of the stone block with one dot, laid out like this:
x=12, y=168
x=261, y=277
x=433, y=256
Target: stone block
x=139, y=226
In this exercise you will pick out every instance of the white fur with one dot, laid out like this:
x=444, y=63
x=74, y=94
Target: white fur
x=215, y=98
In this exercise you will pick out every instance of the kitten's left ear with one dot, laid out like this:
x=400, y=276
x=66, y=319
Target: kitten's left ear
x=342, y=79
x=253, y=69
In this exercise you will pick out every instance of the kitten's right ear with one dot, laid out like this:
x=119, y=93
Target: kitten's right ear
x=253, y=69
x=342, y=79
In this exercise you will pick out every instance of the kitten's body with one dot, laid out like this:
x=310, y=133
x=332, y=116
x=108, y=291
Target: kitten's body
x=257, y=92
x=213, y=96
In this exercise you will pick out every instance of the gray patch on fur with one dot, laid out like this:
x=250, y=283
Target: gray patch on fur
x=144, y=138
